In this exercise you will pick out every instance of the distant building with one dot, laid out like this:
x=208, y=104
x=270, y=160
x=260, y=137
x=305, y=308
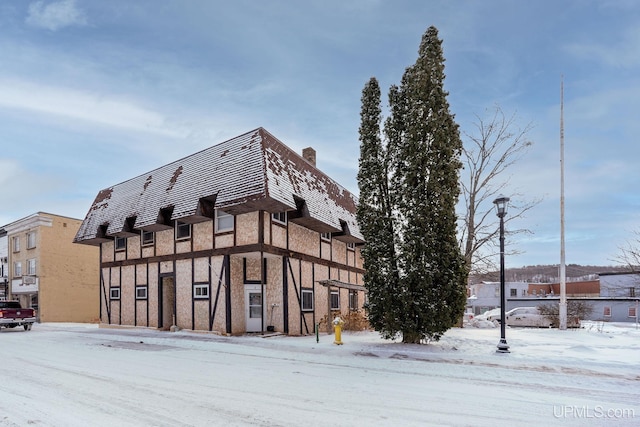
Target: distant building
x=245, y=236
x=48, y=272
x=4, y=264
x=486, y=295
x=614, y=297
x=620, y=295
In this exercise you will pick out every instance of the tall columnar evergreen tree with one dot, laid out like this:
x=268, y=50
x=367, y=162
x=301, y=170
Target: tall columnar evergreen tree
x=375, y=217
x=420, y=170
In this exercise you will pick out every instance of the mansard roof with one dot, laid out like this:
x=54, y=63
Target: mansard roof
x=254, y=171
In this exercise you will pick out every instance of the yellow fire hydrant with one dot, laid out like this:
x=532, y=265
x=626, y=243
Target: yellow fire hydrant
x=337, y=323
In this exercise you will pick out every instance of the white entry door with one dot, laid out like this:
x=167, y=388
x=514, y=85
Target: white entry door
x=253, y=307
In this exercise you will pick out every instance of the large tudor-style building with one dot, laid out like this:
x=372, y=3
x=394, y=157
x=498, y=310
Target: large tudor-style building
x=245, y=236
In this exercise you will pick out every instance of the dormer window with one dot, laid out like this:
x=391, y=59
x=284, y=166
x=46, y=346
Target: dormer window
x=280, y=217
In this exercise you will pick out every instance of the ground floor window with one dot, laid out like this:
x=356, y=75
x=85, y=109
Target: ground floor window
x=632, y=312
x=607, y=311
x=353, y=300
x=335, y=300
x=114, y=293
x=201, y=290
x=307, y=299
x=141, y=292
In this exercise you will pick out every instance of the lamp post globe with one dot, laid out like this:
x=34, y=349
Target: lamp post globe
x=502, y=203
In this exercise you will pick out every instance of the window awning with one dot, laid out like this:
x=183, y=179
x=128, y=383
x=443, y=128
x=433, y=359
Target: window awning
x=339, y=284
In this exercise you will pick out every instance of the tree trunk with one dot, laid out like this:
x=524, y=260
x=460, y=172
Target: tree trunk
x=411, y=337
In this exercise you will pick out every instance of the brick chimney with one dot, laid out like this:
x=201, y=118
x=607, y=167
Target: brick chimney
x=309, y=154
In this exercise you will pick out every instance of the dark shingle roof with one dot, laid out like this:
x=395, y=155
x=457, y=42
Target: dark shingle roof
x=247, y=173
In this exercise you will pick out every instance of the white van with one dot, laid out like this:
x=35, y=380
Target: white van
x=527, y=316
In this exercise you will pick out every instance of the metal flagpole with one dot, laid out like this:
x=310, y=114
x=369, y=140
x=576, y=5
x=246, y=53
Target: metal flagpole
x=562, y=309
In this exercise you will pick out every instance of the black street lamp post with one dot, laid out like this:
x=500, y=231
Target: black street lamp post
x=501, y=205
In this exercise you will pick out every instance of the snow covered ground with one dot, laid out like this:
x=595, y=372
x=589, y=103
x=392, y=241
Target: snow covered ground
x=82, y=375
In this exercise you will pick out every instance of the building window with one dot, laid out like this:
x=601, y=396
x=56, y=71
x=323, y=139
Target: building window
x=632, y=292
x=607, y=311
x=279, y=217
x=120, y=243
x=17, y=269
x=335, y=300
x=114, y=293
x=224, y=221
x=325, y=236
x=351, y=246
x=148, y=237
x=201, y=291
x=16, y=244
x=141, y=292
x=353, y=300
x=307, y=299
x=524, y=292
x=632, y=312
x=31, y=240
x=31, y=267
x=513, y=292
x=183, y=230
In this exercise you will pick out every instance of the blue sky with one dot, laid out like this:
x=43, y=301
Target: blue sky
x=95, y=92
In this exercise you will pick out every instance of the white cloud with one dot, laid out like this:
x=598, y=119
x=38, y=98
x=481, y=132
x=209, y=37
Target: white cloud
x=56, y=15
x=82, y=106
x=621, y=53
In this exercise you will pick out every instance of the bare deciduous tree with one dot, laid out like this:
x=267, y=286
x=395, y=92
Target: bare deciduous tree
x=630, y=253
x=487, y=155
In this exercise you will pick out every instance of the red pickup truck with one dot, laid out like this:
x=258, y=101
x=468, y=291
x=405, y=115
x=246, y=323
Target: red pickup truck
x=12, y=315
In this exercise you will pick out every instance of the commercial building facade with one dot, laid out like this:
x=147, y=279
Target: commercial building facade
x=48, y=272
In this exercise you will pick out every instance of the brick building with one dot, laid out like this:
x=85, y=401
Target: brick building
x=48, y=272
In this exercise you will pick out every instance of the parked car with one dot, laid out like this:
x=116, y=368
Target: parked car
x=527, y=316
x=12, y=315
x=491, y=315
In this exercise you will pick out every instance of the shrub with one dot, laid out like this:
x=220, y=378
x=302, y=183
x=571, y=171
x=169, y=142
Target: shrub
x=576, y=311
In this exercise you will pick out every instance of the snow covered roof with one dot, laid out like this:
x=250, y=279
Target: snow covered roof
x=254, y=171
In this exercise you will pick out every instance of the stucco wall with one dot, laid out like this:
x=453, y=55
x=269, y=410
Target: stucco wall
x=202, y=234
x=246, y=268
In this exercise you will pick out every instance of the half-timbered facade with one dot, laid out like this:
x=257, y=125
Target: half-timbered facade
x=245, y=236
